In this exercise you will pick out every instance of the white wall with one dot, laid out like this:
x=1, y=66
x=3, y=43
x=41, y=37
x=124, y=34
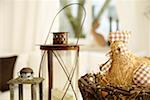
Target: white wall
x=149, y=37
x=131, y=15
x=148, y=17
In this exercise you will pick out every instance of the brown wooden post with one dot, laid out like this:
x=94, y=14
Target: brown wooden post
x=41, y=91
x=50, y=72
x=11, y=86
x=33, y=91
x=20, y=92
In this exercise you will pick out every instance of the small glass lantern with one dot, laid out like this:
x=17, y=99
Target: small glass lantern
x=60, y=38
x=25, y=77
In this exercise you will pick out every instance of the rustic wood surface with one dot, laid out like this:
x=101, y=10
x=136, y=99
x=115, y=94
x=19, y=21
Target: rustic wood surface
x=33, y=92
x=19, y=80
x=20, y=92
x=11, y=86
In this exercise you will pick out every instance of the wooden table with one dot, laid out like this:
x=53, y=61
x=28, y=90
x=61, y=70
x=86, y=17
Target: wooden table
x=49, y=50
x=20, y=82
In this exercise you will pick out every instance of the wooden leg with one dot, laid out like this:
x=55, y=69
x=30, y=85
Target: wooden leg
x=20, y=92
x=50, y=72
x=77, y=75
x=11, y=87
x=33, y=92
x=40, y=91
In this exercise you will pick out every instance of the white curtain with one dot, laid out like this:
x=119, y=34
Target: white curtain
x=25, y=23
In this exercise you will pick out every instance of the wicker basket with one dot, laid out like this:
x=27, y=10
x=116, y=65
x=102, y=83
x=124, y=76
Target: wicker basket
x=91, y=89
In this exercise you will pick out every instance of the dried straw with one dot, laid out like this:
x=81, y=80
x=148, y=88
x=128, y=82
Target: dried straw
x=124, y=66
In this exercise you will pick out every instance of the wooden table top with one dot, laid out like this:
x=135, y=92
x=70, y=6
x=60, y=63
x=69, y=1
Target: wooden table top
x=59, y=47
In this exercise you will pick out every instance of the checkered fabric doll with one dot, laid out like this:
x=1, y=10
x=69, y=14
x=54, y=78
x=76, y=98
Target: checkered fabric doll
x=124, y=67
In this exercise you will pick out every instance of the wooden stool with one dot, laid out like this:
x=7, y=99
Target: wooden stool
x=20, y=82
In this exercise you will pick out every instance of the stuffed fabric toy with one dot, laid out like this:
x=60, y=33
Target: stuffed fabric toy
x=124, y=67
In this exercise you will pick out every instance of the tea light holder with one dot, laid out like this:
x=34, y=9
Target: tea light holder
x=60, y=38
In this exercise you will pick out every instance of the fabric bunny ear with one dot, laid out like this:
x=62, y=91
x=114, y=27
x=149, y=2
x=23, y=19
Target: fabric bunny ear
x=119, y=36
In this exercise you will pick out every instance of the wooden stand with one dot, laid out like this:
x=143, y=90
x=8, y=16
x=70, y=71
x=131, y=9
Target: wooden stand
x=49, y=49
x=20, y=82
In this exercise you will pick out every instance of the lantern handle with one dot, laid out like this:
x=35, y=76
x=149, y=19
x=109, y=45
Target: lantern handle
x=53, y=23
x=60, y=12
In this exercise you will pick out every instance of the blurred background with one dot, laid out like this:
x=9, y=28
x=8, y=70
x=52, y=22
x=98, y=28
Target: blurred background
x=24, y=25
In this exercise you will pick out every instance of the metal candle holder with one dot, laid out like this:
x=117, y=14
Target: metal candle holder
x=60, y=38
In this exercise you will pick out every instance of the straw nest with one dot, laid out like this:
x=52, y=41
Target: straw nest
x=123, y=66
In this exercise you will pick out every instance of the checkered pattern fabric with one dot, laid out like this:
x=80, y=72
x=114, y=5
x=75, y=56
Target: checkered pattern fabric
x=109, y=54
x=142, y=76
x=119, y=36
x=105, y=67
x=122, y=49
